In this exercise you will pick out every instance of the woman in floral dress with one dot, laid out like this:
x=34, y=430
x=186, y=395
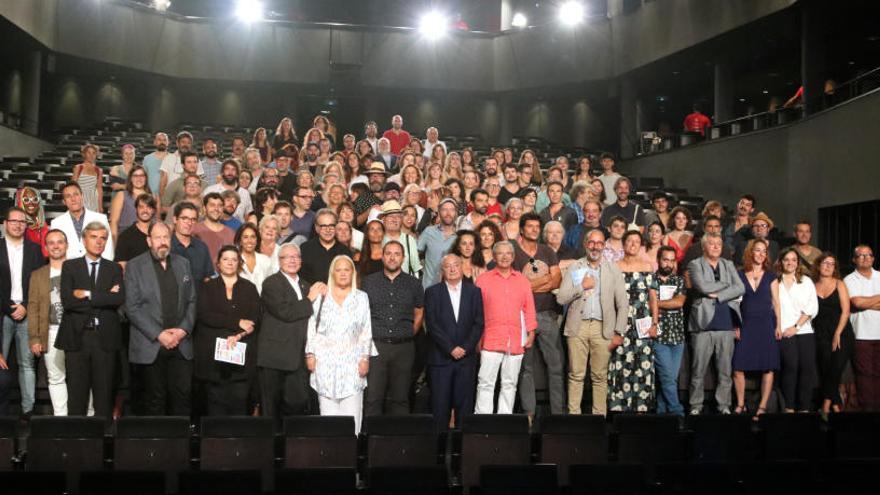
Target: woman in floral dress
x=631, y=369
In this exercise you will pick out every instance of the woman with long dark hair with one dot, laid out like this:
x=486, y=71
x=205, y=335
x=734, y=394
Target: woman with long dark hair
x=123, y=212
x=465, y=246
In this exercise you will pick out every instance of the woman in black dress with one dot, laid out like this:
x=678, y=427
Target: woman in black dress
x=228, y=309
x=370, y=257
x=835, y=340
x=465, y=247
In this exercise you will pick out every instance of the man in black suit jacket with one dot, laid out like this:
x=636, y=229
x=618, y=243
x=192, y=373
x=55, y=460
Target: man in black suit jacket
x=89, y=335
x=287, y=306
x=18, y=258
x=455, y=332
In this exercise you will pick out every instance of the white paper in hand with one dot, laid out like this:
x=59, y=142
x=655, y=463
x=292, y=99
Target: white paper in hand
x=224, y=354
x=643, y=325
x=667, y=292
x=577, y=276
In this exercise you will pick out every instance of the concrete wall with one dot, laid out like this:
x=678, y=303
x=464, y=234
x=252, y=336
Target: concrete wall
x=15, y=143
x=827, y=160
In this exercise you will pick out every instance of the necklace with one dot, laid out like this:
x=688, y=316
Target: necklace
x=755, y=277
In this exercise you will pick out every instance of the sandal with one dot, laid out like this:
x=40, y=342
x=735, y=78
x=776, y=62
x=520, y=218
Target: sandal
x=759, y=412
x=741, y=409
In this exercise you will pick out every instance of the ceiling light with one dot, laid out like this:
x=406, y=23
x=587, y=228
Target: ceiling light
x=519, y=20
x=433, y=25
x=249, y=10
x=571, y=13
x=161, y=5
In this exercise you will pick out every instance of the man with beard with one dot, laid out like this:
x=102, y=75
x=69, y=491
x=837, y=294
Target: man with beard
x=376, y=176
x=492, y=185
x=669, y=346
x=385, y=156
x=761, y=227
x=557, y=210
x=230, y=204
x=214, y=234
x=302, y=218
x=152, y=163
x=172, y=164
x=490, y=167
x=396, y=136
x=739, y=227
x=238, y=148
x=286, y=177
x=311, y=160
x=574, y=237
x=623, y=207
x=598, y=310
x=133, y=240
x=269, y=178
x=229, y=182
x=211, y=164
x=161, y=303
x=480, y=202
x=436, y=241
x=511, y=184
x=371, y=133
x=540, y=266
x=396, y=311
x=175, y=192
x=392, y=218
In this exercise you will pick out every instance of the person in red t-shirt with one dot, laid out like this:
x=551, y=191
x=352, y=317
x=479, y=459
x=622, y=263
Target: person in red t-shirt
x=697, y=122
x=398, y=138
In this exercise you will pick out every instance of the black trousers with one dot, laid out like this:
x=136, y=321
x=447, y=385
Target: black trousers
x=90, y=369
x=227, y=398
x=167, y=384
x=283, y=392
x=389, y=379
x=453, y=386
x=832, y=364
x=7, y=379
x=798, y=371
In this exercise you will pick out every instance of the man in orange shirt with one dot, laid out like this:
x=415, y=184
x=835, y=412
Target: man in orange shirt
x=697, y=122
x=510, y=323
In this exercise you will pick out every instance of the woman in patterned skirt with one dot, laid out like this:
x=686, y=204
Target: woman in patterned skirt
x=631, y=369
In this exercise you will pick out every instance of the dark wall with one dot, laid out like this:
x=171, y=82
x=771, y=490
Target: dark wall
x=826, y=160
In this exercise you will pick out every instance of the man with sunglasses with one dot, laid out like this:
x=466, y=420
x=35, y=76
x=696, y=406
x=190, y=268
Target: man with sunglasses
x=539, y=264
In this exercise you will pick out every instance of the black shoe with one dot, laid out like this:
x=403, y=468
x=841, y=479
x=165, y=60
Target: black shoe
x=26, y=417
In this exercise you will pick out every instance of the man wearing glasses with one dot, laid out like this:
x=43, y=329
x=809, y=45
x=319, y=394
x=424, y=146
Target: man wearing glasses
x=539, y=264
x=598, y=309
x=183, y=243
x=302, y=218
x=761, y=228
x=18, y=258
x=319, y=251
x=864, y=291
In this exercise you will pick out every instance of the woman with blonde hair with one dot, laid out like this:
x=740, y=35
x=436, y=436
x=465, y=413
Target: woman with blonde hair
x=434, y=178
x=328, y=130
x=410, y=174
x=438, y=154
x=514, y=210
x=269, y=229
x=285, y=136
x=339, y=344
x=528, y=157
x=313, y=135
x=452, y=167
x=413, y=196
x=119, y=173
x=90, y=178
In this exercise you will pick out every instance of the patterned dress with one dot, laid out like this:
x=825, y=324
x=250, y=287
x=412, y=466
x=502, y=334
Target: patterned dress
x=89, y=186
x=631, y=368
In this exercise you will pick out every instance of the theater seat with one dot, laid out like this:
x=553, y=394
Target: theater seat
x=70, y=444
x=8, y=427
x=319, y=442
x=127, y=482
x=573, y=439
x=492, y=439
x=534, y=479
x=855, y=435
x=238, y=443
x=333, y=481
x=157, y=444
x=772, y=477
x=647, y=439
x=720, y=438
x=421, y=480
x=227, y=482
x=32, y=483
x=396, y=441
x=792, y=436
x=617, y=479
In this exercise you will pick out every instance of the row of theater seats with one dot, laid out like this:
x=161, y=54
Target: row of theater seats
x=490, y=454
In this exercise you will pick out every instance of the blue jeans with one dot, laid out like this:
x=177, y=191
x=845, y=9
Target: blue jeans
x=667, y=363
x=27, y=377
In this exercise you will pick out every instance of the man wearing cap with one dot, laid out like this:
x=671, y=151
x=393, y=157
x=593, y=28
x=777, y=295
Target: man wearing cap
x=436, y=240
x=392, y=191
x=392, y=217
x=761, y=227
x=376, y=176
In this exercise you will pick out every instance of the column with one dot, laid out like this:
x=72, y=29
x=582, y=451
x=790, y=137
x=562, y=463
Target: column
x=723, y=93
x=30, y=105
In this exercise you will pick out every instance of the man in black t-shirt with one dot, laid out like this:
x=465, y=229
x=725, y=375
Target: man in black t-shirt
x=631, y=212
x=133, y=240
x=539, y=264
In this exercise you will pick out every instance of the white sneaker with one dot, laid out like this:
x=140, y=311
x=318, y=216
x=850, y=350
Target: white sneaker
x=696, y=411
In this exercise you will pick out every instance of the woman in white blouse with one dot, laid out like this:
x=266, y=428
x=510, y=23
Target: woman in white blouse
x=255, y=266
x=798, y=306
x=340, y=343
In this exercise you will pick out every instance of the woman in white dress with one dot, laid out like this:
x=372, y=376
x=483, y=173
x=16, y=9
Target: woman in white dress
x=255, y=266
x=340, y=343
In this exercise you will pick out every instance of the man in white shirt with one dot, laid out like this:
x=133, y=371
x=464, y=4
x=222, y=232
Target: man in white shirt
x=172, y=165
x=371, y=135
x=609, y=177
x=229, y=182
x=433, y=138
x=75, y=219
x=863, y=285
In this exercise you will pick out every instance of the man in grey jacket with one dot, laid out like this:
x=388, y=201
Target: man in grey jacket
x=717, y=290
x=598, y=308
x=160, y=300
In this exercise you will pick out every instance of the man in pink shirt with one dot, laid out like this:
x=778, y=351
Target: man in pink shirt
x=396, y=136
x=510, y=323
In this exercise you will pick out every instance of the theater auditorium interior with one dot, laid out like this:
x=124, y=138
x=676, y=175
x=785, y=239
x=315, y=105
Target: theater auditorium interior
x=679, y=198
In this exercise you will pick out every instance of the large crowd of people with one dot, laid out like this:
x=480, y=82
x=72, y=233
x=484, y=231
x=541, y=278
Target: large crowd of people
x=354, y=276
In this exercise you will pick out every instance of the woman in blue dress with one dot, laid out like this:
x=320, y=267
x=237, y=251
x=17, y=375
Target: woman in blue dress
x=757, y=340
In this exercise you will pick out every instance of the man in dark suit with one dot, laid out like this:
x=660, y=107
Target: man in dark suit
x=18, y=258
x=161, y=307
x=89, y=335
x=287, y=306
x=455, y=324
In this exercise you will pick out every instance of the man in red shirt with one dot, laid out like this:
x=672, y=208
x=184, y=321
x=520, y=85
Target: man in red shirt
x=697, y=122
x=398, y=138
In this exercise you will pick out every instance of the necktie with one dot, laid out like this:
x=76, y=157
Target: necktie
x=93, y=272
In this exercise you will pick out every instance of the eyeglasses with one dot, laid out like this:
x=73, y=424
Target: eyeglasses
x=292, y=257
x=595, y=243
x=326, y=226
x=865, y=255
x=19, y=222
x=187, y=219
x=760, y=226
x=30, y=200
x=305, y=196
x=828, y=263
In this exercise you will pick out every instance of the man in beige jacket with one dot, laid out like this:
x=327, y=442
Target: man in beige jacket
x=598, y=308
